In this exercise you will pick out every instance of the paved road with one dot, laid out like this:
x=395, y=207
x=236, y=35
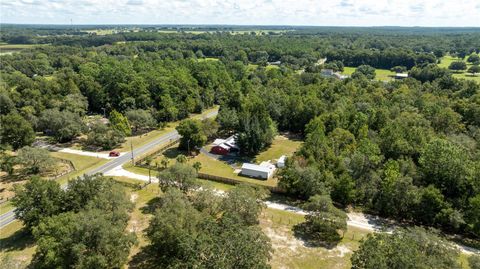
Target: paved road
x=9, y=217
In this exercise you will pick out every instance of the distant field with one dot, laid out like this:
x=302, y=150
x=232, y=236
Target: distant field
x=445, y=62
x=380, y=74
x=233, y=32
x=11, y=48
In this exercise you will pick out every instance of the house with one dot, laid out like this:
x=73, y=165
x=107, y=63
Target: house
x=327, y=72
x=224, y=146
x=401, y=76
x=332, y=74
x=281, y=161
x=264, y=170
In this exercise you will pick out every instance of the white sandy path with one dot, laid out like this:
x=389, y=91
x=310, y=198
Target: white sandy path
x=355, y=219
x=118, y=171
x=89, y=153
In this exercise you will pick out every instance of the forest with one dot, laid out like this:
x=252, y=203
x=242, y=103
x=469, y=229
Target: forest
x=407, y=149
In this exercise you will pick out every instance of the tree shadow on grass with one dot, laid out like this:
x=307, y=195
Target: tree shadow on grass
x=151, y=206
x=19, y=240
x=145, y=259
x=172, y=153
x=328, y=239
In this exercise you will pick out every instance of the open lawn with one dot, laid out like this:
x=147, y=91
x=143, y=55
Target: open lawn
x=292, y=252
x=380, y=74
x=445, y=62
x=16, y=246
x=281, y=145
x=11, y=48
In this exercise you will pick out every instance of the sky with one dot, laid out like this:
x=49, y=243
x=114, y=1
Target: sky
x=243, y=12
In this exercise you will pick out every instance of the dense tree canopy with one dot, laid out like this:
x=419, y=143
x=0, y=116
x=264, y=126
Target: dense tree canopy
x=405, y=248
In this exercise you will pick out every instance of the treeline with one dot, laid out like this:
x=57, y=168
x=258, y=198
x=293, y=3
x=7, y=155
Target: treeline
x=404, y=150
x=83, y=226
x=53, y=89
x=378, y=47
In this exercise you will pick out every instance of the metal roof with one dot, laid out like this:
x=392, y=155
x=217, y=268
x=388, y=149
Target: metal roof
x=255, y=167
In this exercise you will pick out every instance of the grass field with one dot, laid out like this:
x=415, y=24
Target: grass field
x=292, y=252
x=11, y=48
x=281, y=145
x=380, y=74
x=445, y=62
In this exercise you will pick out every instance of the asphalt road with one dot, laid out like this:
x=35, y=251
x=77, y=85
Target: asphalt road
x=9, y=217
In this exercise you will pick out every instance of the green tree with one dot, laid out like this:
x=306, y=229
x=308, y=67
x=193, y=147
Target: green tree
x=62, y=125
x=140, y=119
x=120, y=122
x=179, y=175
x=184, y=235
x=7, y=163
x=398, y=69
x=473, y=214
x=243, y=203
x=445, y=165
x=37, y=199
x=228, y=120
x=404, y=249
x=323, y=221
x=474, y=69
x=106, y=137
x=197, y=166
x=87, y=239
x=474, y=261
x=16, y=131
x=364, y=70
x=458, y=66
x=35, y=160
x=192, y=133
x=256, y=129
x=473, y=58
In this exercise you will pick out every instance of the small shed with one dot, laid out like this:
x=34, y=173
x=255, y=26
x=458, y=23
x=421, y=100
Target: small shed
x=401, y=76
x=281, y=161
x=262, y=171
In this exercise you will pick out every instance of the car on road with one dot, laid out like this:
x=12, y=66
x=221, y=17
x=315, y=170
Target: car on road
x=114, y=154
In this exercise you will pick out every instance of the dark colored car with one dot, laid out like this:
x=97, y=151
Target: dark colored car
x=114, y=154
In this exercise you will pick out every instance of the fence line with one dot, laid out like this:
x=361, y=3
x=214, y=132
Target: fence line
x=232, y=181
x=142, y=158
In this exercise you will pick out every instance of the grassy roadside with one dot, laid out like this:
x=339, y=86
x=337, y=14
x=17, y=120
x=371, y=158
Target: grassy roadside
x=140, y=140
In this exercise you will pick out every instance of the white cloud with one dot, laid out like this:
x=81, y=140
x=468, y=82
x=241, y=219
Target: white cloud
x=271, y=12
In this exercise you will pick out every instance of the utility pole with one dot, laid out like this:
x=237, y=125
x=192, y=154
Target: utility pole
x=131, y=149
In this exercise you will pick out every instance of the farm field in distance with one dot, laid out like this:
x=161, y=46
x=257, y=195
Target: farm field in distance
x=166, y=145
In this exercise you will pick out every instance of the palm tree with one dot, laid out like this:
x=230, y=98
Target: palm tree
x=197, y=166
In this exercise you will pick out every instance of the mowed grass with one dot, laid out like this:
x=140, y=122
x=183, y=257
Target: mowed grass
x=140, y=140
x=16, y=246
x=11, y=48
x=380, y=74
x=292, y=252
x=445, y=62
x=281, y=145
